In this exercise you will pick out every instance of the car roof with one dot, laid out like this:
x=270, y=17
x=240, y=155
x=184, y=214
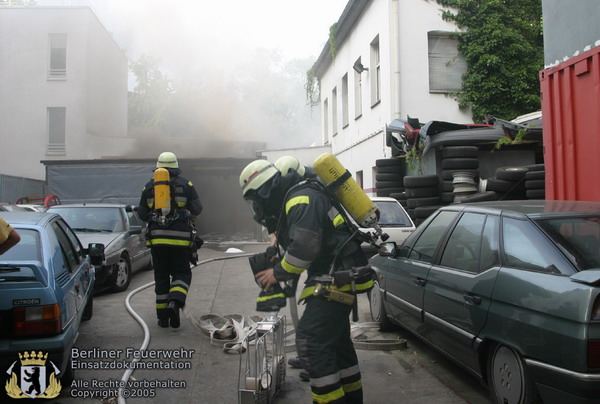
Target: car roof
x=27, y=218
x=89, y=205
x=532, y=208
x=382, y=199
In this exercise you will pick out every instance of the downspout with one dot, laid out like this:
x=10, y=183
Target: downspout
x=395, y=57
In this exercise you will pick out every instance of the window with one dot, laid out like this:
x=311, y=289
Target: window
x=56, y=130
x=489, y=244
x=334, y=126
x=345, y=100
x=357, y=92
x=526, y=248
x=426, y=244
x=375, y=72
x=326, y=120
x=446, y=66
x=464, y=244
x=71, y=259
x=359, y=178
x=57, y=64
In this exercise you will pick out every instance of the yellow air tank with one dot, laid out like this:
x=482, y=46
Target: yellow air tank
x=162, y=191
x=351, y=196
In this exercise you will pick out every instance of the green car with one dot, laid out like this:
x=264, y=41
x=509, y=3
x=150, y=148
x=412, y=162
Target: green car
x=509, y=290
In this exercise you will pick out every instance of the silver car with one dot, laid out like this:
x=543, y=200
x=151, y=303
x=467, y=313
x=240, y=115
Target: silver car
x=119, y=228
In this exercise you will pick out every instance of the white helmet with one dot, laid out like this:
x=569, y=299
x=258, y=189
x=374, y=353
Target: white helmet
x=167, y=160
x=287, y=163
x=256, y=174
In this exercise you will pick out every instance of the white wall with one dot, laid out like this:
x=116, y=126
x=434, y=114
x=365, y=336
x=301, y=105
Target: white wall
x=97, y=108
x=363, y=141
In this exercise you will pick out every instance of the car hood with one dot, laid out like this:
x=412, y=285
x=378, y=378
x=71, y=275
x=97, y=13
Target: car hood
x=104, y=238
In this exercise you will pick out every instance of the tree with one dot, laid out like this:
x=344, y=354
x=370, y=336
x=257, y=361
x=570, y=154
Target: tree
x=152, y=94
x=502, y=44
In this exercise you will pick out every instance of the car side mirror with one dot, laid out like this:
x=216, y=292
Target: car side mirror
x=96, y=253
x=135, y=229
x=388, y=249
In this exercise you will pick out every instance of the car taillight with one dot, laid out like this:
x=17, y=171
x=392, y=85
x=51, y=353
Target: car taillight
x=39, y=320
x=593, y=353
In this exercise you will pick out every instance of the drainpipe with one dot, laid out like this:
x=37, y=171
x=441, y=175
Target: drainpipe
x=395, y=58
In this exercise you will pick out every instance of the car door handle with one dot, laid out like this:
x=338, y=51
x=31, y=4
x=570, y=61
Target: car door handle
x=420, y=282
x=472, y=300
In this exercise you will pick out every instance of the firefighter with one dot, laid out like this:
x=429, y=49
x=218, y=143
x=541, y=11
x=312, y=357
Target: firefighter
x=171, y=237
x=9, y=237
x=313, y=234
x=286, y=164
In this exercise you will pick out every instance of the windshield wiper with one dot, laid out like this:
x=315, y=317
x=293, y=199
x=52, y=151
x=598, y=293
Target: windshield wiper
x=87, y=230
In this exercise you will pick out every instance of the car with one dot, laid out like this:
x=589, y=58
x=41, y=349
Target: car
x=32, y=207
x=9, y=207
x=119, y=228
x=393, y=220
x=508, y=290
x=46, y=290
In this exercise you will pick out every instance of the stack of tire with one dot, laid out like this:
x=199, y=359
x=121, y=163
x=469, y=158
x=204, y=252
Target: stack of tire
x=509, y=183
x=390, y=175
x=463, y=160
x=535, y=182
x=464, y=185
x=422, y=196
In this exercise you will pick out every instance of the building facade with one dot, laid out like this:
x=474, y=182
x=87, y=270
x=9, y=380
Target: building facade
x=63, y=87
x=388, y=60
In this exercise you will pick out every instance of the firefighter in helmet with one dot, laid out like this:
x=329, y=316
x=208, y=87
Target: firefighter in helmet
x=171, y=236
x=315, y=237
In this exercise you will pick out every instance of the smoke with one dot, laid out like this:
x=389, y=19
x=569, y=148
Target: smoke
x=228, y=89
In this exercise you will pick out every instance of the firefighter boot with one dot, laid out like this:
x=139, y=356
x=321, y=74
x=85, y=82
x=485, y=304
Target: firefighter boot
x=174, y=320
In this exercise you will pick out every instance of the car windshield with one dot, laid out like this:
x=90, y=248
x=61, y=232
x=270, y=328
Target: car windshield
x=92, y=219
x=391, y=214
x=577, y=237
x=28, y=249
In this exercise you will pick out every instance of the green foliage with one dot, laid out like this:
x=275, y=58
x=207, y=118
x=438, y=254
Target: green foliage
x=503, y=47
x=332, y=40
x=151, y=95
x=413, y=156
x=312, y=88
x=507, y=140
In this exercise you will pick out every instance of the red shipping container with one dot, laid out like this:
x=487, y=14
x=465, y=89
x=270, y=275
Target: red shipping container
x=571, y=125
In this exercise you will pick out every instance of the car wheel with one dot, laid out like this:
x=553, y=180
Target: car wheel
x=69, y=374
x=377, y=310
x=88, y=311
x=507, y=378
x=122, y=276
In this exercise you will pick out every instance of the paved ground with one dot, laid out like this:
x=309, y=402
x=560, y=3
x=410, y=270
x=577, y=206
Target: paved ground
x=222, y=287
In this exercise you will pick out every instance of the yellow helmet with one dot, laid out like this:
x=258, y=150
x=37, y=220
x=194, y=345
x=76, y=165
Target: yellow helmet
x=256, y=174
x=287, y=163
x=167, y=160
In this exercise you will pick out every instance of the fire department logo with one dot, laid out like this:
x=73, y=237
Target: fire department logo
x=33, y=381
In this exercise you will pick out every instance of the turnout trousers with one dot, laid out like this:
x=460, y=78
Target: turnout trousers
x=325, y=349
x=172, y=277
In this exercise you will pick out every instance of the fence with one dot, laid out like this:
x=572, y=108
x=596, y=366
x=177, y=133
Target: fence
x=12, y=188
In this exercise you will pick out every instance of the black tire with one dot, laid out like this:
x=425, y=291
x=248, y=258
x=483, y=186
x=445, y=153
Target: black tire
x=460, y=151
x=500, y=186
x=460, y=163
x=481, y=197
x=414, y=203
x=535, y=175
x=378, y=313
x=423, y=212
x=425, y=192
x=535, y=184
x=389, y=162
x=504, y=363
x=122, y=276
x=448, y=175
x=69, y=374
x=535, y=167
x=511, y=173
x=399, y=196
x=447, y=186
x=88, y=311
x=535, y=194
x=388, y=184
x=447, y=198
x=388, y=191
x=421, y=181
x=397, y=177
x=391, y=170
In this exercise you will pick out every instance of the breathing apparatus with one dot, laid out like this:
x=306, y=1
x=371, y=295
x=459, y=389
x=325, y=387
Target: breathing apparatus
x=162, y=197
